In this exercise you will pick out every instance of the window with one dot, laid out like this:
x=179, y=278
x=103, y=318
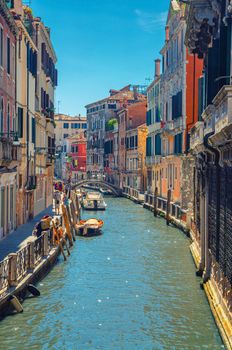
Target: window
x=13, y=121
x=84, y=126
x=1, y=113
x=33, y=130
x=112, y=106
x=148, y=118
x=19, y=48
x=20, y=121
x=8, y=55
x=136, y=141
x=8, y=117
x=3, y=208
x=1, y=46
x=66, y=125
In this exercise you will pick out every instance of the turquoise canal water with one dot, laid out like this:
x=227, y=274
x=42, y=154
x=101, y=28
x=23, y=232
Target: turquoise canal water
x=132, y=288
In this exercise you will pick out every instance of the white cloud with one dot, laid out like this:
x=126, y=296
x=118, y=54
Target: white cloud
x=150, y=21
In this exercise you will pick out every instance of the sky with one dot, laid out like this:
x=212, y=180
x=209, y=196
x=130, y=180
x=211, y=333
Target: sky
x=101, y=45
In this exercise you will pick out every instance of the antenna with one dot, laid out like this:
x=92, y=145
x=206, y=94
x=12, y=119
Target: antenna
x=58, y=105
x=148, y=80
x=27, y=2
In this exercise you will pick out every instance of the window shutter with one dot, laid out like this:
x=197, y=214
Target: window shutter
x=20, y=122
x=33, y=130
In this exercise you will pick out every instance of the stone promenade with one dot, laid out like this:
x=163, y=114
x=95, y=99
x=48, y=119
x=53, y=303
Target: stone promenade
x=22, y=235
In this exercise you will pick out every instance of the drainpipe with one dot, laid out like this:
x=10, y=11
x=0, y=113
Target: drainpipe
x=216, y=154
x=202, y=217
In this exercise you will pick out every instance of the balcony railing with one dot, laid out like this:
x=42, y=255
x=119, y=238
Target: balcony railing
x=152, y=160
x=222, y=103
x=10, y=149
x=197, y=135
x=172, y=125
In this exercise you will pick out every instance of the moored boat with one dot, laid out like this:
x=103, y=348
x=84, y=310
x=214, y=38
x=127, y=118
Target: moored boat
x=94, y=201
x=106, y=192
x=90, y=227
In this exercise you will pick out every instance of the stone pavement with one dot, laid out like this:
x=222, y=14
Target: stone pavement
x=22, y=235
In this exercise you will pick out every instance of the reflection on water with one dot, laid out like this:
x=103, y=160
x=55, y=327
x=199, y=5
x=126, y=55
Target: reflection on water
x=132, y=288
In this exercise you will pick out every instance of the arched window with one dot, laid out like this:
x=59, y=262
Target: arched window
x=1, y=114
x=8, y=118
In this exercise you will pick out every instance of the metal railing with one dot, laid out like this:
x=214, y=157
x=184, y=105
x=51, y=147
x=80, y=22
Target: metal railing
x=22, y=262
x=4, y=275
x=38, y=249
x=16, y=266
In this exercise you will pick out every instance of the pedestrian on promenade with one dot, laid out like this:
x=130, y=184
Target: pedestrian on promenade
x=57, y=202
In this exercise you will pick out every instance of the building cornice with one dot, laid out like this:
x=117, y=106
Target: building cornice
x=6, y=14
x=21, y=27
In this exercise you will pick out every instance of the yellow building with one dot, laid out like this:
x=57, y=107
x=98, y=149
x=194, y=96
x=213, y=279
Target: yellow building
x=25, y=105
x=136, y=172
x=36, y=81
x=44, y=111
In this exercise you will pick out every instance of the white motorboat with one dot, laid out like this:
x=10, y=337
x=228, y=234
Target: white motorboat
x=105, y=192
x=94, y=201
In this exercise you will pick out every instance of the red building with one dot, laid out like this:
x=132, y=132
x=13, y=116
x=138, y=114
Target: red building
x=76, y=161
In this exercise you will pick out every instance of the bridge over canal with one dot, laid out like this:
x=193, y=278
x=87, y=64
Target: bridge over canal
x=116, y=191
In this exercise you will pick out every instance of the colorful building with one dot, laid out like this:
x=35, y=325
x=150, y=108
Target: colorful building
x=46, y=82
x=111, y=152
x=10, y=150
x=132, y=149
x=176, y=111
x=76, y=157
x=154, y=126
x=99, y=114
x=66, y=127
x=27, y=54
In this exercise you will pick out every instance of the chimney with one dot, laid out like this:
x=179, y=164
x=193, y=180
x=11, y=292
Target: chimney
x=18, y=7
x=167, y=30
x=157, y=68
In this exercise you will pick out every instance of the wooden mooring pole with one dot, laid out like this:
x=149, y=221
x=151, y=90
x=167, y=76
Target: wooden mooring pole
x=169, y=196
x=155, y=201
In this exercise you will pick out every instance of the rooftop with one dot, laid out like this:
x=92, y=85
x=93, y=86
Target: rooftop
x=65, y=117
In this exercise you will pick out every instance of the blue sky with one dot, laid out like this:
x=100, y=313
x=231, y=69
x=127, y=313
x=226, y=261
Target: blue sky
x=102, y=44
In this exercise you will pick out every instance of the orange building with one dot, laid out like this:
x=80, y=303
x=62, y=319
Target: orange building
x=132, y=149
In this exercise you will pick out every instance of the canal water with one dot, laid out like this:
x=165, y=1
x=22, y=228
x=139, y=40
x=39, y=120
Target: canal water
x=132, y=288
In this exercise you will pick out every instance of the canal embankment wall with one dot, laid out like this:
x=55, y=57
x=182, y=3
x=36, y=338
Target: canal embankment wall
x=217, y=296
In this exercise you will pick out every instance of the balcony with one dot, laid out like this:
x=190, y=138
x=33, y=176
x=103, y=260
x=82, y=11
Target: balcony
x=154, y=127
x=223, y=108
x=197, y=135
x=10, y=150
x=209, y=118
x=173, y=126
x=153, y=160
x=31, y=183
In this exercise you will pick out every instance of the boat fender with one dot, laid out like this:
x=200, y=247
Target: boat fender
x=16, y=303
x=33, y=290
